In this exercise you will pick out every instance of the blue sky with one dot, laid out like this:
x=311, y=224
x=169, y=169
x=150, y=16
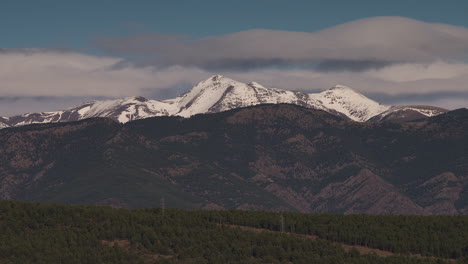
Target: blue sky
x=74, y=24
x=54, y=54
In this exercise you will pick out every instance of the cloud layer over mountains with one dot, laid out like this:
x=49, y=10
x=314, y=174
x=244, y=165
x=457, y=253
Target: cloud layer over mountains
x=395, y=60
x=372, y=41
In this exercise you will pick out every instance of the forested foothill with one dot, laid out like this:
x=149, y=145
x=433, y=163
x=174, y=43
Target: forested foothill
x=46, y=233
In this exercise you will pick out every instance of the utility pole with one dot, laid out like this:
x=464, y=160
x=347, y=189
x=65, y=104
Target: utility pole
x=163, y=205
x=282, y=222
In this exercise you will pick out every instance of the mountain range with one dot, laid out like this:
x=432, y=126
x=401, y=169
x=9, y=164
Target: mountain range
x=219, y=93
x=264, y=157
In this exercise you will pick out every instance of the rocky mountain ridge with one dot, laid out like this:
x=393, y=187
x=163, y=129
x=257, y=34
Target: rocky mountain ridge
x=218, y=94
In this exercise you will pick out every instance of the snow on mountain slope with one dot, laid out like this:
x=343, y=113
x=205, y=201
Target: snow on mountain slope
x=349, y=102
x=38, y=118
x=3, y=123
x=407, y=113
x=219, y=94
x=125, y=110
x=425, y=110
x=206, y=94
x=213, y=95
x=122, y=110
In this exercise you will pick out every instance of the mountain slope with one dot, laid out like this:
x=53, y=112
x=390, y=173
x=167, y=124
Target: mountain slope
x=4, y=122
x=349, y=102
x=271, y=157
x=218, y=94
x=407, y=113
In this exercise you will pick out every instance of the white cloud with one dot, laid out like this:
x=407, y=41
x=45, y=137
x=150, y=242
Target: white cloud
x=387, y=39
x=67, y=77
x=74, y=75
x=48, y=73
x=422, y=54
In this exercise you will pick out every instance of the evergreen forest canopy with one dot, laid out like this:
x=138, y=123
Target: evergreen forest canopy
x=46, y=233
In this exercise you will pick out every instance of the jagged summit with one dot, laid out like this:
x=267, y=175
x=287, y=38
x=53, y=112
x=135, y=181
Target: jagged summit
x=340, y=87
x=216, y=94
x=140, y=98
x=217, y=77
x=204, y=95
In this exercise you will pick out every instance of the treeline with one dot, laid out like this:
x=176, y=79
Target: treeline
x=438, y=236
x=43, y=233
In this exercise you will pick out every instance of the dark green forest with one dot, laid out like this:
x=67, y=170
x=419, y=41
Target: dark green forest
x=46, y=233
x=439, y=236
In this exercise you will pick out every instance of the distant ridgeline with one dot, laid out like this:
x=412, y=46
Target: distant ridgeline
x=218, y=94
x=44, y=233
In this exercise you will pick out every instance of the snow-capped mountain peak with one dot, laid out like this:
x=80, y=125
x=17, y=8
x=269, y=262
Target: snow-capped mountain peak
x=343, y=92
x=349, y=102
x=340, y=87
x=216, y=94
x=204, y=95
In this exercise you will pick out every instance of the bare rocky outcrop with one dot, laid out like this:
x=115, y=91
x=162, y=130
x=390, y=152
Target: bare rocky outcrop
x=364, y=193
x=440, y=193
